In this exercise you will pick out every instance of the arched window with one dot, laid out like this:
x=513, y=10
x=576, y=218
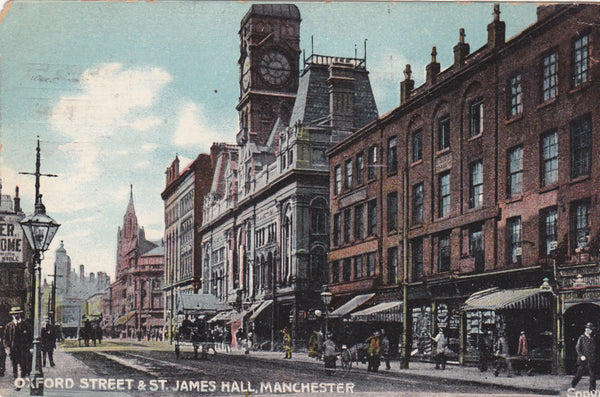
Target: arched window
x=318, y=216
x=318, y=265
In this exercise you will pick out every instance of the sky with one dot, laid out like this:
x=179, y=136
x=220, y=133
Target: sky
x=115, y=90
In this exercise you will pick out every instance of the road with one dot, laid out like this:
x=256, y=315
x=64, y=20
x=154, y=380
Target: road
x=155, y=371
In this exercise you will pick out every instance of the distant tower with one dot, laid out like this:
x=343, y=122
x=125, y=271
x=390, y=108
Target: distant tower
x=62, y=264
x=81, y=274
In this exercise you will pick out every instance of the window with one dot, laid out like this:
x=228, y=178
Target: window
x=371, y=263
x=417, y=258
x=580, y=224
x=515, y=105
x=347, y=270
x=550, y=77
x=392, y=211
x=549, y=158
x=476, y=110
x=444, y=191
x=513, y=229
x=348, y=170
x=372, y=218
x=372, y=162
x=476, y=184
x=515, y=171
x=548, y=233
x=337, y=186
x=318, y=214
x=444, y=253
x=581, y=147
x=359, y=228
x=581, y=58
x=392, y=259
x=417, y=146
x=347, y=225
x=475, y=239
x=392, y=156
x=360, y=169
x=358, y=267
x=444, y=133
x=336, y=229
x=283, y=161
x=417, y=202
x=335, y=272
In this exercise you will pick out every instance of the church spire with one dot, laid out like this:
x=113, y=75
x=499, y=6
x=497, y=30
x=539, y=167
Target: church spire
x=130, y=208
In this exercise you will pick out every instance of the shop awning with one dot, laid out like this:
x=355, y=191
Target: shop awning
x=509, y=299
x=253, y=307
x=386, y=312
x=262, y=307
x=124, y=318
x=350, y=305
x=199, y=303
x=222, y=316
x=154, y=322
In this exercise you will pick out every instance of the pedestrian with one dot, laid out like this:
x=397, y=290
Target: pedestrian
x=385, y=349
x=2, y=353
x=523, y=353
x=441, y=344
x=373, y=352
x=287, y=342
x=319, y=345
x=485, y=350
x=502, y=356
x=329, y=354
x=48, y=344
x=17, y=340
x=586, y=357
x=313, y=344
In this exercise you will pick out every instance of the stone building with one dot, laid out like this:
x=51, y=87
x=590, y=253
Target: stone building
x=184, y=199
x=482, y=181
x=16, y=259
x=264, y=231
x=136, y=303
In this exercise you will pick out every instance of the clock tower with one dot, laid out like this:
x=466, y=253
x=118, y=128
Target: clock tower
x=269, y=69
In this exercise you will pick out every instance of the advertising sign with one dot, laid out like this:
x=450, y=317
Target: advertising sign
x=11, y=240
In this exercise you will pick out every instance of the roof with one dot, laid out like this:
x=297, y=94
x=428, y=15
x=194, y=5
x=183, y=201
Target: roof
x=158, y=251
x=272, y=10
x=509, y=299
x=351, y=305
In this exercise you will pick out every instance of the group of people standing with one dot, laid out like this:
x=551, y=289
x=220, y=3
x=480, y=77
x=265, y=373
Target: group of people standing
x=16, y=339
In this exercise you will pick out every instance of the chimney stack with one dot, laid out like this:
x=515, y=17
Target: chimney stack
x=341, y=95
x=17, y=200
x=433, y=68
x=461, y=50
x=496, y=30
x=407, y=85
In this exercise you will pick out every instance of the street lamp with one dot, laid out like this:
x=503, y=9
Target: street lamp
x=39, y=229
x=326, y=297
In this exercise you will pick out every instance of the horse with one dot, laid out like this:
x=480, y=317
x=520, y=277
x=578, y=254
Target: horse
x=354, y=354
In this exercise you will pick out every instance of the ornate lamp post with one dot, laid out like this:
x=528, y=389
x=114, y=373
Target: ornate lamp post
x=39, y=229
x=326, y=297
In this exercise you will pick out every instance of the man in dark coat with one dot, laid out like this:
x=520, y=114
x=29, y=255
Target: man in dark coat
x=2, y=352
x=586, y=357
x=48, y=344
x=17, y=339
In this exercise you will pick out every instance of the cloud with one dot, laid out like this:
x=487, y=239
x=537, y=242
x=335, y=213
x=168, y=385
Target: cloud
x=193, y=129
x=145, y=124
x=149, y=147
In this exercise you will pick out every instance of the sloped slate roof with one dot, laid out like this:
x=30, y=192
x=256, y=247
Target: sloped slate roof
x=272, y=10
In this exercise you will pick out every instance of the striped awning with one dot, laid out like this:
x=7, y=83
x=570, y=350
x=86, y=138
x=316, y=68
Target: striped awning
x=222, y=316
x=385, y=312
x=262, y=307
x=509, y=299
x=124, y=319
x=350, y=305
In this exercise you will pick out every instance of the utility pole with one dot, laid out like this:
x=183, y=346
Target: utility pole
x=405, y=347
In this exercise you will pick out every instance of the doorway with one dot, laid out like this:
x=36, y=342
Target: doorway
x=575, y=319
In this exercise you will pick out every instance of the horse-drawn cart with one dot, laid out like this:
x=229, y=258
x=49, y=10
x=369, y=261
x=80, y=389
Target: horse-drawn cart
x=192, y=329
x=90, y=330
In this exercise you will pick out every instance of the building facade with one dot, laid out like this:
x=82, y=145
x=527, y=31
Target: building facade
x=264, y=232
x=16, y=259
x=136, y=303
x=482, y=178
x=184, y=199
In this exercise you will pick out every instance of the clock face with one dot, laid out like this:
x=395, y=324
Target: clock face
x=275, y=68
x=246, y=74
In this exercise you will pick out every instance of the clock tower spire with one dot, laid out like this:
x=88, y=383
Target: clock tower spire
x=269, y=69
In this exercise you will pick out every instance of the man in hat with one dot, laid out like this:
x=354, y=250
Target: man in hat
x=287, y=342
x=2, y=352
x=17, y=340
x=586, y=357
x=373, y=352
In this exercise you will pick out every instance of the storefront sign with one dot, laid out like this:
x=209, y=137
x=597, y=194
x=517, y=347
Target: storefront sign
x=11, y=240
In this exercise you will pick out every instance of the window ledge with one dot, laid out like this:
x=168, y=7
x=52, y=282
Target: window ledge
x=582, y=87
x=547, y=103
x=549, y=188
x=579, y=179
x=442, y=152
x=415, y=163
x=514, y=119
x=474, y=137
x=510, y=200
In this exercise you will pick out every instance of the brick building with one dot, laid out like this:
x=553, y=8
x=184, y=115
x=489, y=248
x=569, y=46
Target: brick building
x=483, y=177
x=184, y=200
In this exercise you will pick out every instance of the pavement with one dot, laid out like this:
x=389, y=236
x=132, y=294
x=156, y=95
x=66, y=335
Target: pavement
x=70, y=368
